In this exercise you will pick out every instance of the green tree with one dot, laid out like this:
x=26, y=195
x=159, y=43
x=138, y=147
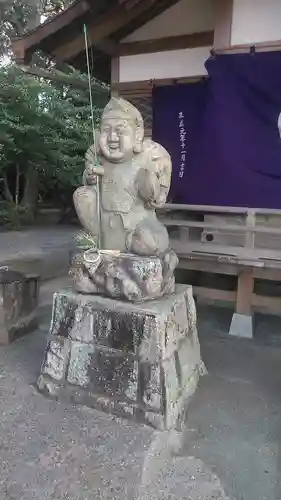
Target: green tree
x=19, y=16
x=44, y=133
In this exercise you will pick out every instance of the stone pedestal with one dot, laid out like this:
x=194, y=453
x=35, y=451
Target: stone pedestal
x=140, y=361
x=124, y=276
x=18, y=304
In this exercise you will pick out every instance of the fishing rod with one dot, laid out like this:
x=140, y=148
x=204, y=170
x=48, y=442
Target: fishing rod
x=94, y=137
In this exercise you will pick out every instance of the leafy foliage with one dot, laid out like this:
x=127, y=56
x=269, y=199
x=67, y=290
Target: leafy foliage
x=85, y=241
x=45, y=130
x=45, y=127
x=19, y=16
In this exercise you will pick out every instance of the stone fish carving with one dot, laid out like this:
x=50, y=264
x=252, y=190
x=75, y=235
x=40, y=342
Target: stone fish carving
x=134, y=261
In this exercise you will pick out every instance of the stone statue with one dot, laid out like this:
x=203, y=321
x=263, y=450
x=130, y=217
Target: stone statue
x=135, y=360
x=133, y=261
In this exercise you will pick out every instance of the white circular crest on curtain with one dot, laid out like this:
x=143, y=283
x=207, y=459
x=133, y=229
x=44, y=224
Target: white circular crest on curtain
x=279, y=124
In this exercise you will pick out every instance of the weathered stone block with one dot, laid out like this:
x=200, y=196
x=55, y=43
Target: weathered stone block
x=18, y=304
x=152, y=386
x=114, y=373
x=80, y=359
x=83, y=326
x=135, y=360
x=56, y=358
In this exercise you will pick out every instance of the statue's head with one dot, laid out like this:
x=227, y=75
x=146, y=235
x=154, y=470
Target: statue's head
x=122, y=131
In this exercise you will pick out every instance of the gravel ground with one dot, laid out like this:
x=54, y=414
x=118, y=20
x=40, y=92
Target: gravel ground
x=49, y=450
x=33, y=241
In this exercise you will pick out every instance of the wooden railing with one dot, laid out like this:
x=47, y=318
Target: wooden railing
x=249, y=229
x=246, y=261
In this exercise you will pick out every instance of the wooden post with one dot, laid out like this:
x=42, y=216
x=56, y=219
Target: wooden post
x=223, y=23
x=115, y=75
x=245, y=288
x=250, y=236
x=242, y=324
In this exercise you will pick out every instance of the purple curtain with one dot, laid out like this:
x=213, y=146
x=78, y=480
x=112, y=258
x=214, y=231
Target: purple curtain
x=177, y=125
x=223, y=133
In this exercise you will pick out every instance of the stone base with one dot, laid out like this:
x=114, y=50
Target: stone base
x=140, y=361
x=124, y=276
x=241, y=326
x=18, y=305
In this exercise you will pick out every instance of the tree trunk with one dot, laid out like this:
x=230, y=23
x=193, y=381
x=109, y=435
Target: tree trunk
x=17, y=193
x=7, y=193
x=31, y=192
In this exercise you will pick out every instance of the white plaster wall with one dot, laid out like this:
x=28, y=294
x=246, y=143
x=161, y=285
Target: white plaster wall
x=256, y=21
x=161, y=65
x=186, y=16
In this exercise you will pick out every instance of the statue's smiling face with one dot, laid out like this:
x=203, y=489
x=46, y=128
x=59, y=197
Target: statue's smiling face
x=117, y=138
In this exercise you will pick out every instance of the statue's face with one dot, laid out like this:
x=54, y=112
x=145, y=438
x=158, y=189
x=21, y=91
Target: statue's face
x=117, y=138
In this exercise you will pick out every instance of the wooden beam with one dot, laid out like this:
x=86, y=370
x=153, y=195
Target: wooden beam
x=223, y=23
x=60, y=77
x=108, y=46
x=242, y=49
x=219, y=209
x=205, y=266
x=214, y=294
x=147, y=86
x=20, y=45
x=156, y=10
x=106, y=24
x=128, y=3
x=270, y=274
x=191, y=41
x=223, y=227
x=272, y=305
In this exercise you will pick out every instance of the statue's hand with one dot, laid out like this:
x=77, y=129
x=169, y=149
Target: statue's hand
x=91, y=173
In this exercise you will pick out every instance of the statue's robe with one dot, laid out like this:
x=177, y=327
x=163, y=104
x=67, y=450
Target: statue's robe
x=127, y=223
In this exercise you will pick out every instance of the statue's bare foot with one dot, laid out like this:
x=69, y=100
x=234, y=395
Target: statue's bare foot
x=150, y=238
